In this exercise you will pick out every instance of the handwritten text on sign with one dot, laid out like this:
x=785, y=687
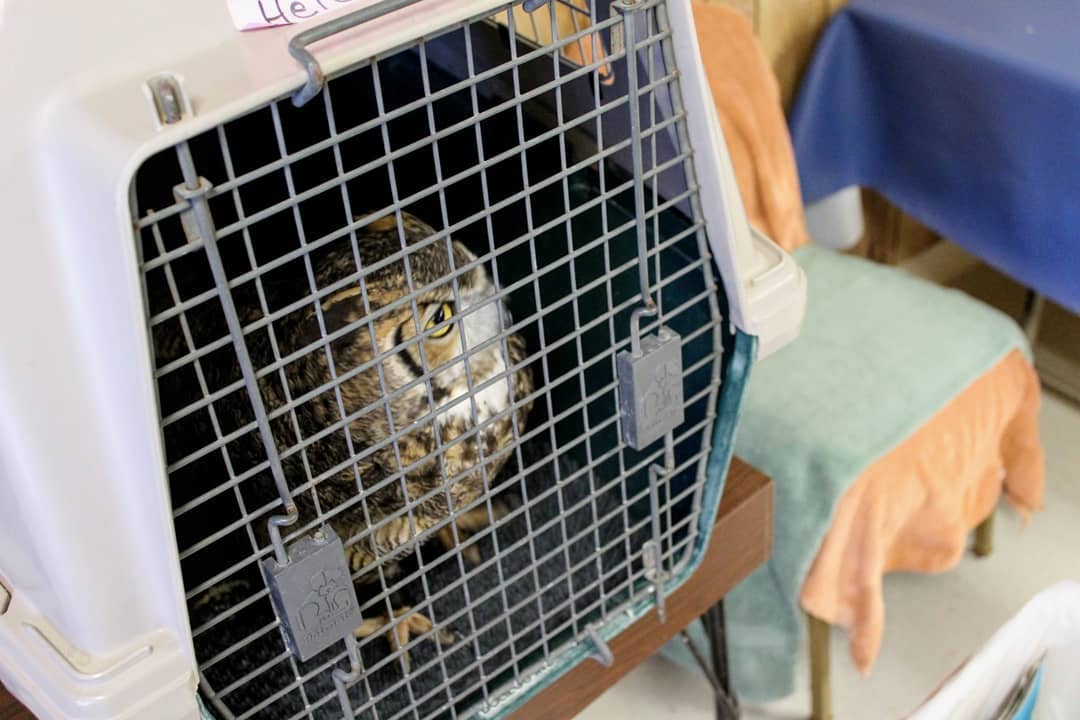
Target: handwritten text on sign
x=255, y=14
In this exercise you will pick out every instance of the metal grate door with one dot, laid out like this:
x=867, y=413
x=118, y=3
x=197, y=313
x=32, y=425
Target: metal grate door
x=394, y=315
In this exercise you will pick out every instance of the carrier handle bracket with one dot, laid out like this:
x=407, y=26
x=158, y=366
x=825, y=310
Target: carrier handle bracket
x=298, y=46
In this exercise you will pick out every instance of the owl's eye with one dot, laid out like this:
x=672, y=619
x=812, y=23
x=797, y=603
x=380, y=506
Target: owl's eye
x=445, y=312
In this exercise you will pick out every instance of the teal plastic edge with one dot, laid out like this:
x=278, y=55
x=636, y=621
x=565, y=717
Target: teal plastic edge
x=723, y=447
x=1027, y=708
x=204, y=712
x=728, y=412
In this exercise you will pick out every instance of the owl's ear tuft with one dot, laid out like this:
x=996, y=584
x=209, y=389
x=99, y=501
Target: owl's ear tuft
x=464, y=250
x=339, y=297
x=383, y=224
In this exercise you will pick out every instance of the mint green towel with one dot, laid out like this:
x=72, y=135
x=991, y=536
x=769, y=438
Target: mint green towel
x=879, y=354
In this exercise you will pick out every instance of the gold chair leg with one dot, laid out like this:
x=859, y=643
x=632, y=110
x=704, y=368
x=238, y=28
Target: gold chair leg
x=820, y=692
x=984, y=536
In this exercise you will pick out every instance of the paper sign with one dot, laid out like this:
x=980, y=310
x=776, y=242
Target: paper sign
x=256, y=14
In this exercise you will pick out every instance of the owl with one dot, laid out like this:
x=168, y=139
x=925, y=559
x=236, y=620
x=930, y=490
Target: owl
x=430, y=392
x=426, y=383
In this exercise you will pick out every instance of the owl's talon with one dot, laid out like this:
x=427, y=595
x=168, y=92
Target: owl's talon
x=360, y=555
x=398, y=635
x=467, y=524
x=471, y=555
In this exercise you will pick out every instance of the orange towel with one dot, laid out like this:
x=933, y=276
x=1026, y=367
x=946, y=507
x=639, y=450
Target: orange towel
x=914, y=507
x=748, y=102
x=572, y=17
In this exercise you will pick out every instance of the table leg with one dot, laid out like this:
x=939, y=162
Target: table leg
x=1033, y=310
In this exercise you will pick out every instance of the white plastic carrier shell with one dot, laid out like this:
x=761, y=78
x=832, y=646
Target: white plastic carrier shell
x=92, y=618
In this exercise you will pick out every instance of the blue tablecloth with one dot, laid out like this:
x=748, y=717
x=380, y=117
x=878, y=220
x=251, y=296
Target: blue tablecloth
x=966, y=114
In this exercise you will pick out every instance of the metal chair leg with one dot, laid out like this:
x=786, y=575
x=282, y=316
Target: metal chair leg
x=820, y=691
x=727, y=706
x=716, y=667
x=984, y=536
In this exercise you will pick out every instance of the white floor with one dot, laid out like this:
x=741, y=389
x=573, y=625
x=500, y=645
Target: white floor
x=933, y=622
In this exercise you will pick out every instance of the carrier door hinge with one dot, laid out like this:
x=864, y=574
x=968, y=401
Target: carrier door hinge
x=171, y=105
x=618, y=32
x=601, y=650
x=183, y=194
x=655, y=575
x=168, y=98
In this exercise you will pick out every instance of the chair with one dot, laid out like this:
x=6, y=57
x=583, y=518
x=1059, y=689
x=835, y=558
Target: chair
x=891, y=427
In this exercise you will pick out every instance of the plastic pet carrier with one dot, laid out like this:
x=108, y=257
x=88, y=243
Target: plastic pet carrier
x=381, y=366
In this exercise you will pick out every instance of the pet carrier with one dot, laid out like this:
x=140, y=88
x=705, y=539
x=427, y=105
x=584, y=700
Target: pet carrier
x=375, y=367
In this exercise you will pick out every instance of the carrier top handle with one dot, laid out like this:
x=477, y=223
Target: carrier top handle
x=298, y=46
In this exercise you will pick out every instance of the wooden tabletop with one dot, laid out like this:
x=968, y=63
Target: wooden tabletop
x=740, y=542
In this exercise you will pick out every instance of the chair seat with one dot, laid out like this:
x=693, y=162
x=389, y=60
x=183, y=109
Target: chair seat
x=881, y=353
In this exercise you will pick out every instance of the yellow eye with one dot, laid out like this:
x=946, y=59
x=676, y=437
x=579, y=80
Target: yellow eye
x=445, y=312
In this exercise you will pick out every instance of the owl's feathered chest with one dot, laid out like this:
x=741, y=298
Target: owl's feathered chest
x=389, y=417
x=418, y=455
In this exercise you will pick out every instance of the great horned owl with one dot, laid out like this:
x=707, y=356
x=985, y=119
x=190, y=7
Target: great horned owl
x=439, y=458
x=416, y=445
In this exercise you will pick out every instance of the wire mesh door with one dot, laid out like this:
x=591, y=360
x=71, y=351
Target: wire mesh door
x=389, y=322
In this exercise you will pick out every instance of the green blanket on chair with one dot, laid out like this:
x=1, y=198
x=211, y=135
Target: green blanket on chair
x=880, y=353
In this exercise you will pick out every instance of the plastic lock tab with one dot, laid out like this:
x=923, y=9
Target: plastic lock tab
x=313, y=594
x=651, y=389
